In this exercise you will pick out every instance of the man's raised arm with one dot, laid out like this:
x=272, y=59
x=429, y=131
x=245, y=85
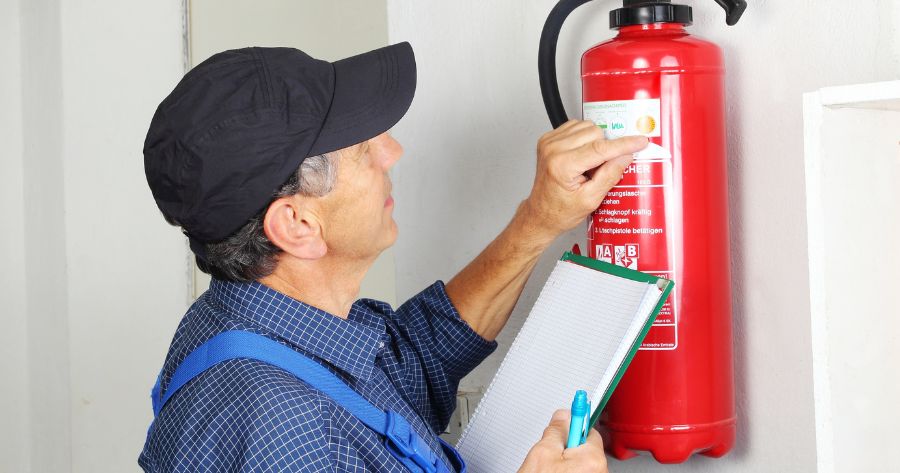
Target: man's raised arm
x=576, y=167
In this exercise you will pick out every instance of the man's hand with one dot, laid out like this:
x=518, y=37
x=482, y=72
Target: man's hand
x=550, y=454
x=576, y=167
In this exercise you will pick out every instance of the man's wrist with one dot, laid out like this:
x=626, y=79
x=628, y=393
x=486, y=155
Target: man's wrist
x=531, y=228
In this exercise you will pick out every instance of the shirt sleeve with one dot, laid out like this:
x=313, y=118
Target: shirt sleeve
x=447, y=347
x=459, y=348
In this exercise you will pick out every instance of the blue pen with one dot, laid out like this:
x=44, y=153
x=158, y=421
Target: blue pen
x=581, y=412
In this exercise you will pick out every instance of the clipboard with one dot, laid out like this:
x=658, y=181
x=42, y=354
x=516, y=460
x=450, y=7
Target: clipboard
x=582, y=332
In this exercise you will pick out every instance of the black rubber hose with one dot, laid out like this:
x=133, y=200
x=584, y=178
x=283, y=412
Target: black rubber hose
x=733, y=10
x=547, y=60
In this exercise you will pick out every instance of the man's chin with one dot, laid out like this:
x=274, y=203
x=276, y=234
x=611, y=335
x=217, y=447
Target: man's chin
x=388, y=238
x=392, y=237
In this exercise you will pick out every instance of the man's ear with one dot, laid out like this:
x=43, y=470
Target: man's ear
x=290, y=225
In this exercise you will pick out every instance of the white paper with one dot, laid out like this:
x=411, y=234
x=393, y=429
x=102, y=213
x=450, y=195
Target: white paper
x=576, y=337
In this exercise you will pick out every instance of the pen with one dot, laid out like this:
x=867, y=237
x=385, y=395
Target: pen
x=581, y=408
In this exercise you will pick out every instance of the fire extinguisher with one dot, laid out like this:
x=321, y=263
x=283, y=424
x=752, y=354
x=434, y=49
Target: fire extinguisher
x=667, y=216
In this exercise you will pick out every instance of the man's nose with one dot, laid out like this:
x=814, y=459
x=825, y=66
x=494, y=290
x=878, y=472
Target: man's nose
x=391, y=150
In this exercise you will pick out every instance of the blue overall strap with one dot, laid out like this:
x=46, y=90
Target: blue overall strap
x=400, y=438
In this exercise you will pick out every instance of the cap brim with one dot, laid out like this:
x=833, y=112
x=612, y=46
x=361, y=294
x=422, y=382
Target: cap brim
x=372, y=92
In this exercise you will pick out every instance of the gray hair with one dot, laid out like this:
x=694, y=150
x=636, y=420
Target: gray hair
x=248, y=255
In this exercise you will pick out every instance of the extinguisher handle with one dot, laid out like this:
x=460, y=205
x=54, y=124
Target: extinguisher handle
x=733, y=10
x=547, y=51
x=547, y=60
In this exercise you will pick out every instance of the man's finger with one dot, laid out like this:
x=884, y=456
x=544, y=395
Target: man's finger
x=570, y=124
x=594, y=439
x=570, y=128
x=558, y=431
x=607, y=175
x=581, y=135
x=595, y=153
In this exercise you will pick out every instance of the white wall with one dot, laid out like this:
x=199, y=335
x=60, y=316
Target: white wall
x=323, y=28
x=14, y=402
x=127, y=281
x=470, y=139
x=855, y=323
x=46, y=290
x=91, y=303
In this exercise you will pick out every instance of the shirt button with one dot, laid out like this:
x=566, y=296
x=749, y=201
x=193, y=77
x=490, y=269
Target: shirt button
x=380, y=345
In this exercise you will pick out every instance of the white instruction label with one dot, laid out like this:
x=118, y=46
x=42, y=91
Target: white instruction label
x=635, y=224
x=618, y=118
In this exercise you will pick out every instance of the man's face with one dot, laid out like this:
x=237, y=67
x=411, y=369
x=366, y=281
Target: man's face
x=358, y=213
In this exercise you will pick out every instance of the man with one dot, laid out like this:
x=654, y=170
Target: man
x=275, y=165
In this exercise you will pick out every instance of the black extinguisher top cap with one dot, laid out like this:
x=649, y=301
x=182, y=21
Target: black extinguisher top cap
x=638, y=12
x=632, y=3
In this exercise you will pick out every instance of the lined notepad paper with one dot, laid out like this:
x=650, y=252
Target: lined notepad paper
x=577, y=335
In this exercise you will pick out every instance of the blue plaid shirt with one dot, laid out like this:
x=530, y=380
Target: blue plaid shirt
x=245, y=415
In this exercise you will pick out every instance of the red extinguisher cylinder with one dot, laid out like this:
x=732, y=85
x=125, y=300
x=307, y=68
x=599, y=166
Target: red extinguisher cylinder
x=668, y=216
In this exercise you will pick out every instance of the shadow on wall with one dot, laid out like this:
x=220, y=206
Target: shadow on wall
x=733, y=80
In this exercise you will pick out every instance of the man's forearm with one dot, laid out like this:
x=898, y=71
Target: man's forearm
x=576, y=166
x=487, y=289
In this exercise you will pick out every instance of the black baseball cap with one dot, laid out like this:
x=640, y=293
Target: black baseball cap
x=239, y=124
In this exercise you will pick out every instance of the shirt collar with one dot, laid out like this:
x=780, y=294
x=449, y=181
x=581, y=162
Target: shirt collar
x=350, y=345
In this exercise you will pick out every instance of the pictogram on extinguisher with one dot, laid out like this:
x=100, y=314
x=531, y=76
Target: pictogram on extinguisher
x=667, y=216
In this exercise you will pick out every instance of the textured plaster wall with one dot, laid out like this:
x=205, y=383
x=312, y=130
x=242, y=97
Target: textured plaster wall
x=93, y=279
x=14, y=448
x=37, y=313
x=470, y=139
x=126, y=275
